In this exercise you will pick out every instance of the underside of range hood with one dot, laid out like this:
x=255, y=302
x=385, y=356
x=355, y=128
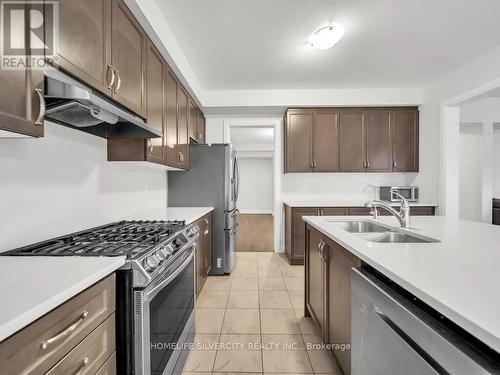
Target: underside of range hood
x=72, y=104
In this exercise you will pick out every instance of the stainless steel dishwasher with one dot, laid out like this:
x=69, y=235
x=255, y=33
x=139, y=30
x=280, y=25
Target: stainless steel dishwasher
x=394, y=333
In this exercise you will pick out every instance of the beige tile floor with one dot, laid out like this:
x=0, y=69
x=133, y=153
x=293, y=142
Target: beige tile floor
x=256, y=317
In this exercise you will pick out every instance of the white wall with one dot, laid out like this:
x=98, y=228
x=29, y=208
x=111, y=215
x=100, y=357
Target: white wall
x=62, y=183
x=256, y=179
x=470, y=173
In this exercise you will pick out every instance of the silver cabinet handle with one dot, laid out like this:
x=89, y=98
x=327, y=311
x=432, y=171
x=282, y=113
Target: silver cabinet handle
x=394, y=164
x=43, y=107
x=150, y=146
x=112, y=81
x=82, y=366
x=66, y=331
x=181, y=157
x=367, y=164
x=119, y=82
x=206, y=232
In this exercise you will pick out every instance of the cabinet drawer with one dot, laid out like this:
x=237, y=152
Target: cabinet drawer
x=38, y=347
x=91, y=353
x=109, y=368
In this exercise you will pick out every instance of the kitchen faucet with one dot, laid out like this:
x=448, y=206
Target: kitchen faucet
x=403, y=215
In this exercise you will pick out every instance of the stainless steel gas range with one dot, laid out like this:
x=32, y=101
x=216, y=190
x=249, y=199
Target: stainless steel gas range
x=155, y=289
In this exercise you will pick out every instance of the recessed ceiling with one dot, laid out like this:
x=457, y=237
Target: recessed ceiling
x=261, y=44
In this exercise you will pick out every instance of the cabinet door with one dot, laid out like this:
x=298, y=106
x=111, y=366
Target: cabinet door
x=298, y=141
x=422, y=211
x=170, y=118
x=199, y=255
x=155, y=70
x=193, y=121
x=405, y=140
x=201, y=127
x=315, y=279
x=207, y=238
x=335, y=211
x=378, y=141
x=21, y=97
x=326, y=142
x=84, y=47
x=338, y=331
x=299, y=233
x=182, y=128
x=128, y=53
x=352, y=148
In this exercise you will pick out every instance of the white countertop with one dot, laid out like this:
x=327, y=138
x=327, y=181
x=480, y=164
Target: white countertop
x=459, y=276
x=342, y=203
x=189, y=214
x=32, y=286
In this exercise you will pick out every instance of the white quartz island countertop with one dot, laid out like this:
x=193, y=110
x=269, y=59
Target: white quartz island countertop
x=33, y=286
x=458, y=276
x=189, y=214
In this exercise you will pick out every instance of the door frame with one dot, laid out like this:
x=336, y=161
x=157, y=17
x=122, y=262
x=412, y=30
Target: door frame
x=276, y=124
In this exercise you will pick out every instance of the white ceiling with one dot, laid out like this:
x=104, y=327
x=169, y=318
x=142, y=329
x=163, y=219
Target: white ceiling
x=262, y=44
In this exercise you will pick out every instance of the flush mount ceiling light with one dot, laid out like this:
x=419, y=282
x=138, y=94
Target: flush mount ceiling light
x=327, y=37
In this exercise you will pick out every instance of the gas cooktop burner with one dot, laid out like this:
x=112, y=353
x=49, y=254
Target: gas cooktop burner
x=129, y=238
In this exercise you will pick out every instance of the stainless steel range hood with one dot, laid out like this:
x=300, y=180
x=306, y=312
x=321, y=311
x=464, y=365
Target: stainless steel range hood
x=73, y=104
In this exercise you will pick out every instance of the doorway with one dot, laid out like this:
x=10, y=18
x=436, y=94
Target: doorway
x=254, y=145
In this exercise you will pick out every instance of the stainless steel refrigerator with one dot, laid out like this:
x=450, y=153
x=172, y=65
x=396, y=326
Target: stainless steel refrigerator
x=212, y=181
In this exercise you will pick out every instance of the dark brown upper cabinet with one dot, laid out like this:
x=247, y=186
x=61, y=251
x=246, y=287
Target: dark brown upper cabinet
x=84, y=47
x=378, y=141
x=299, y=141
x=171, y=118
x=128, y=58
x=182, y=128
x=405, y=141
x=22, y=105
x=201, y=124
x=152, y=150
x=193, y=121
x=352, y=141
x=326, y=142
x=155, y=71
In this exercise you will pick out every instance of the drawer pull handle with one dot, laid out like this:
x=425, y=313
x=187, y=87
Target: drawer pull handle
x=82, y=366
x=206, y=232
x=66, y=331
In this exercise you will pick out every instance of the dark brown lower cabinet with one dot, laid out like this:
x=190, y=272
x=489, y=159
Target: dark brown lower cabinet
x=328, y=293
x=295, y=239
x=203, y=255
x=315, y=279
x=338, y=304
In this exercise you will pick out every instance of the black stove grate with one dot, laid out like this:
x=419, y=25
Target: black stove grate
x=128, y=238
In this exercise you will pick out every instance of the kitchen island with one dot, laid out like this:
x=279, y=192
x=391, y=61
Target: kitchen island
x=455, y=274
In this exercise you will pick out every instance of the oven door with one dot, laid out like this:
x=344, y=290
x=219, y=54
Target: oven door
x=164, y=313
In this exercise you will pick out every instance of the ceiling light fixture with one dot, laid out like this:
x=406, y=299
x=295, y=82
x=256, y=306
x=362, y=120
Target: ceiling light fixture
x=327, y=37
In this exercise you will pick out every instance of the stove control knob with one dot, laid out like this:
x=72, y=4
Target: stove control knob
x=193, y=230
x=162, y=253
x=150, y=263
x=176, y=243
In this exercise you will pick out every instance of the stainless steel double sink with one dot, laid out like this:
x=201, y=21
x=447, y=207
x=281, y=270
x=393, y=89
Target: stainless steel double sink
x=374, y=232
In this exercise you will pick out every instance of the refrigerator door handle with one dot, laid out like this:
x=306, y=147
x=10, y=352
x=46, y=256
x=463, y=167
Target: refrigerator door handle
x=235, y=229
x=235, y=213
x=236, y=179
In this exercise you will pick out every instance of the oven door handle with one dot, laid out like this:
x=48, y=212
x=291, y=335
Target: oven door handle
x=149, y=295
